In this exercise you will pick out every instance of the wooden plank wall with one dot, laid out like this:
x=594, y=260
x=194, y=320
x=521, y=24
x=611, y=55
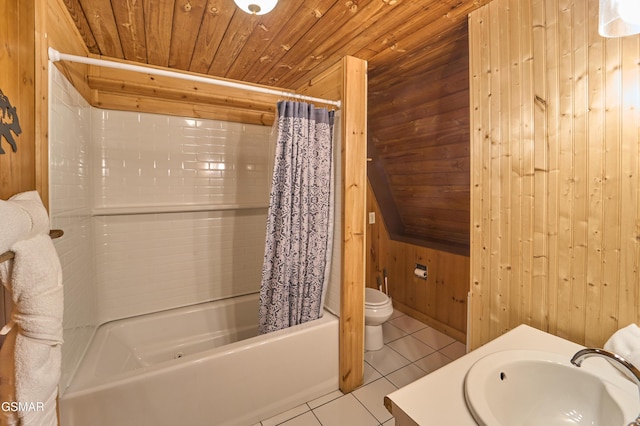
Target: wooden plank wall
x=17, y=71
x=441, y=300
x=142, y=92
x=17, y=76
x=555, y=203
x=419, y=144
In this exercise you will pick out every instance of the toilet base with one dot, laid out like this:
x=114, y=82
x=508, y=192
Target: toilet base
x=373, y=340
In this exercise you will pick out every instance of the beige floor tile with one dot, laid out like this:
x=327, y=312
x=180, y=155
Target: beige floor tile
x=433, y=338
x=406, y=375
x=287, y=415
x=454, y=350
x=372, y=397
x=346, y=410
x=432, y=362
x=306, y=419
x=408, y=324
x=411, y=348
x=386, y=360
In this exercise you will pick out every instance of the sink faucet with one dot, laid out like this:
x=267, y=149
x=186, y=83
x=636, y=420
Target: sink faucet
x=583, y=354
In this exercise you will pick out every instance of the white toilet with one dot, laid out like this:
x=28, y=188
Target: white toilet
x=377, y=309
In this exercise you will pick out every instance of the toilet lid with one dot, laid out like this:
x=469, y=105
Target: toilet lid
x=373, y=297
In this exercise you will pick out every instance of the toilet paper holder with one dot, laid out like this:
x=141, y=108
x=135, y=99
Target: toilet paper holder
x=420, y=271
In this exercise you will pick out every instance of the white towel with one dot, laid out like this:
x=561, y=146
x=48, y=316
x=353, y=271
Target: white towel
x=15, y=224
x=34, y=280
x=22, y=217
x=32, y=203
x=36, y=287
x=626, y=343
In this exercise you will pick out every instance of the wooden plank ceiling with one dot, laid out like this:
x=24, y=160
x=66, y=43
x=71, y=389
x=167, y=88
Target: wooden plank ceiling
x=407, y=43
x=284, y=48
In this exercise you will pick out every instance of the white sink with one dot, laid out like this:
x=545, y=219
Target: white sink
x=522, y=387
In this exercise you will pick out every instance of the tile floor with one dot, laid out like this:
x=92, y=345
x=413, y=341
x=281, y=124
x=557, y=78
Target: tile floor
x=412, y=349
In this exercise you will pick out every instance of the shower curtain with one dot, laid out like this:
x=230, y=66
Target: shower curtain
x=300, y=220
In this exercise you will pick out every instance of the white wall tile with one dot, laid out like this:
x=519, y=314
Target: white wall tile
x=149, y=159
x=70, y=209
x=151, y=262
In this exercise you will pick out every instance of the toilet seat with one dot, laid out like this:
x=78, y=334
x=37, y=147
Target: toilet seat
x=375, y=298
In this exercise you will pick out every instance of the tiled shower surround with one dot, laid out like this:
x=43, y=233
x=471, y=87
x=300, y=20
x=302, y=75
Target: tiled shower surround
x=158, y=211
x=199, y=190
x=70, y=210
x=151, y=159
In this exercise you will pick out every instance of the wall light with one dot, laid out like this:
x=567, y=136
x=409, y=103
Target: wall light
x=256, y=7
x=619, y=18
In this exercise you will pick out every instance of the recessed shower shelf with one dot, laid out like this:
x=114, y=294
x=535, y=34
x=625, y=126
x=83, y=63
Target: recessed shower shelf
x=176, y=208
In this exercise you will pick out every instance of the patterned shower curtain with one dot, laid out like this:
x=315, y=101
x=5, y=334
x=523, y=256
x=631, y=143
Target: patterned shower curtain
x=300, y=219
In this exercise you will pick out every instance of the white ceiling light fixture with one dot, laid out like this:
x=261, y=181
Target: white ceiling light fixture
x=619, y=18
x=256, y=7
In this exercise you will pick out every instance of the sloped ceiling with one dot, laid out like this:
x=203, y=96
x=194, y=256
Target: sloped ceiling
x=291, y=44
x=419, y=142
x=402, y=40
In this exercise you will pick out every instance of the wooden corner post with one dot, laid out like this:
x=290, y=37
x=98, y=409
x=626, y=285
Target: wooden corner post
x=354, y=184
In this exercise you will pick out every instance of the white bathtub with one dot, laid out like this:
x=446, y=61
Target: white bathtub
x=200, y=365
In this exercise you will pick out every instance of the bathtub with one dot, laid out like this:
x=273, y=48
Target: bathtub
x=200, y=365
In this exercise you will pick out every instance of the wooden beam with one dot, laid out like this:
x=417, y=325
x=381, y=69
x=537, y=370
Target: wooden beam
x=126, y=102
x=41, y=95
x=349, y=76
x=179, y=94
x=354, y=153
x=142, y=92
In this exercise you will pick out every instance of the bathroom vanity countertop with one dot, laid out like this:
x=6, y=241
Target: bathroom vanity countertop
x=438, y=398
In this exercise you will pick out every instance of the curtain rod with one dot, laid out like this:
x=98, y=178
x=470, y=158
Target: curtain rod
x=56, y=56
